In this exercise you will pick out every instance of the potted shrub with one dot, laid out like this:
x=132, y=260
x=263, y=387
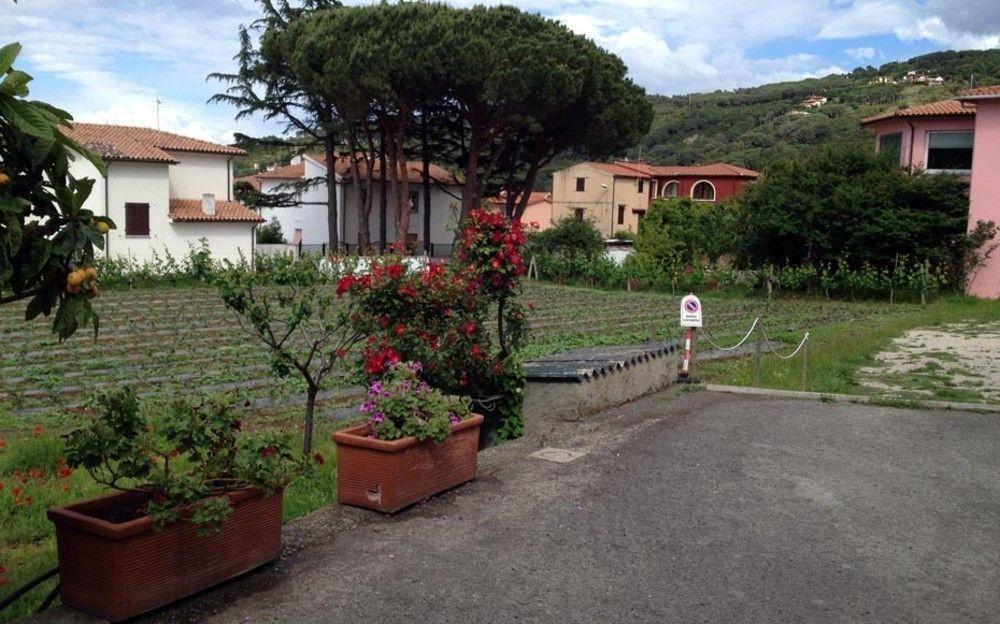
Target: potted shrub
x=197, y=504
x=417, y=442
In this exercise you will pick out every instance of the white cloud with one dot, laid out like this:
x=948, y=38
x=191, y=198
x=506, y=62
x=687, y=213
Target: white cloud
x=109, y=60
x=861, y=54
x=112, y=60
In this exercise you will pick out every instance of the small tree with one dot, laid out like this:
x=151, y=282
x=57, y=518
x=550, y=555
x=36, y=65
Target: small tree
x=47, y=237
x=291, y=308
x=271, y=234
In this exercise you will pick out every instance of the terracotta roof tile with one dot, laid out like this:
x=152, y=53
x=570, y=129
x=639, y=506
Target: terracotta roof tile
x=287, y=172
x=535, y=198
x=942, y=108
x=144, y=144
x=225, y=211
x=714, y=170
x=981, y=92
x=252, y=180
x=415, y=170
x=623, y=170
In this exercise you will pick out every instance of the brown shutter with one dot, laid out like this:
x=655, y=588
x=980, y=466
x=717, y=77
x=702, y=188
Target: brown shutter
x=137, y=219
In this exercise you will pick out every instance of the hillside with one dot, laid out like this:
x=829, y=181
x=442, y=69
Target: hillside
x=753, y=126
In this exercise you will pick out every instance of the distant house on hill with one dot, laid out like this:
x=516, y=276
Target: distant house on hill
x=813, y=101
x=884, y=80
x=616, y=196
x=960, y=136
x=306, y=220
x=165, y=192
x=914, y=77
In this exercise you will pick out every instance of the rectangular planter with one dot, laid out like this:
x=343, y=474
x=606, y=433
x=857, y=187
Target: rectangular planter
x=119, y=570
x=389, y=475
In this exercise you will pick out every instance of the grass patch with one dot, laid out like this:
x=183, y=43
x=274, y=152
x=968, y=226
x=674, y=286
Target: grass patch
x=837, y=351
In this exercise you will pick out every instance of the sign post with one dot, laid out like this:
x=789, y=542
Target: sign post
x=690, y=321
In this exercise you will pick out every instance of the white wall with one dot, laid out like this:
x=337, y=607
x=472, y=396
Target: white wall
x=200, y=173
x=444, y=215
x=152, y=183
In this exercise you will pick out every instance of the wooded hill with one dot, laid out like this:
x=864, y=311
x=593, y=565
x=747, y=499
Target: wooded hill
x=752, y=127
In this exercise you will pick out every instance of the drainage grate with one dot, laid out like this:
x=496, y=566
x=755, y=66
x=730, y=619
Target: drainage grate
x=558, y=455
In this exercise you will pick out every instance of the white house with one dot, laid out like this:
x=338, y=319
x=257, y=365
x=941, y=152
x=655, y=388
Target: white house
x=165, y=192
x=307, y=219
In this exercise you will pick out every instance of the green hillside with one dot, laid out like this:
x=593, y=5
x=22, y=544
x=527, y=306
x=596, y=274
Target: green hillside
x=753, y=126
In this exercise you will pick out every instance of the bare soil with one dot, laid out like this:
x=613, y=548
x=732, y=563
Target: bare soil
x=952, y=362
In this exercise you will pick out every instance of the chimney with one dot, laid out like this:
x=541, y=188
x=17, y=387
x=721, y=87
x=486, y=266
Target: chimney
x=208, y=204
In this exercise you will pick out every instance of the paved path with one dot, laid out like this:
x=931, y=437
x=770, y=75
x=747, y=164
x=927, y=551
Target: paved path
x=703, y=507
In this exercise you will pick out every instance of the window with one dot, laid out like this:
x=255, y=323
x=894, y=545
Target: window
x=703, y=191
x=578, y=213
x=949, y=151
x=621, y=214
x=639, y=214
x=641, y=185
x=891, y=144
x=670, y=189
x=414, y=201
x=581, y=185
x=137, y=219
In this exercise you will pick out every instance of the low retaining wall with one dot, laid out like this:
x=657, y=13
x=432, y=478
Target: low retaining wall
x=572, y=385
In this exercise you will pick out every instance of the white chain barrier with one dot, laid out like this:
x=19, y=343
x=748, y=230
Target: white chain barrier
x=797, y=349
x=738, y=344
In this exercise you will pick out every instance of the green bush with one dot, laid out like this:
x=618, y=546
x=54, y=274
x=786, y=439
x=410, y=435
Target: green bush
x=853, y=206
x=683, y=232
x=569, y=236
x=270, y=234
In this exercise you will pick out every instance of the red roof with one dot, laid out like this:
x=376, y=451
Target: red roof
x=252, y=180
x=143, y=144
x=225, y=211
x=714, y=170
x=286, y=172
x=535, y=198
x=981, y=92
x=414, y=169
x=942, y=108
x=625, y=169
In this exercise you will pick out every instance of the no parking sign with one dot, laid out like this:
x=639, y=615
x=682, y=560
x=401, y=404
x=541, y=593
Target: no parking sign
x=690, y=311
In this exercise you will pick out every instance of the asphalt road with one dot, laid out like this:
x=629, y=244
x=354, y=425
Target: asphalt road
x=701, y=508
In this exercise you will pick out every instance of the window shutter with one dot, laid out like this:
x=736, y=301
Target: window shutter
x=137, y=219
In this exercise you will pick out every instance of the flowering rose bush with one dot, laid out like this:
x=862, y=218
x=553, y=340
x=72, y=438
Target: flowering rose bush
x=400, y=404
x=445, y=316
x=185, y=469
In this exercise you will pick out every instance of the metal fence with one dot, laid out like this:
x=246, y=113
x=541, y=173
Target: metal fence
x=434, y=250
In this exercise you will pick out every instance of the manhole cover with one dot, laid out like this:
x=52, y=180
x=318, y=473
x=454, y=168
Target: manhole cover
x=558, y=455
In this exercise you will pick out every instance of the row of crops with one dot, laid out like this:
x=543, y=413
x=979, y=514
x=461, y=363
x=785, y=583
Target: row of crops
x=165, y=342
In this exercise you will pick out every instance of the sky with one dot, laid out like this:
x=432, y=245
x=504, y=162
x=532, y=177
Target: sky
x=109, y=61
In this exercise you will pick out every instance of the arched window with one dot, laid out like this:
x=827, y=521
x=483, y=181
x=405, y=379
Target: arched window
x=671, y=189
x=703, y=191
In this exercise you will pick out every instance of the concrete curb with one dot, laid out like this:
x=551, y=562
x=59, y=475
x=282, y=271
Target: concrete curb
x=855, y=398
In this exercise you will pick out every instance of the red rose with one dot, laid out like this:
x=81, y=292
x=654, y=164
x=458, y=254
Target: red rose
x=345, y=284
x=395, y=270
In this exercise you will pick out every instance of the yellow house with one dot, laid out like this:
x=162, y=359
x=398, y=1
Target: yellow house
x=614, y=196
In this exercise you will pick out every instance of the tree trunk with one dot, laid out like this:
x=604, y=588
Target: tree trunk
x=307, y=434
x=364, y=195
x=329, y=150
x=383, y=187
x=426, y=157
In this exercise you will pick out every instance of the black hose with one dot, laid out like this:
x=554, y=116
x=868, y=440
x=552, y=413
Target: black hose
x=48, y=599
x=6, y=602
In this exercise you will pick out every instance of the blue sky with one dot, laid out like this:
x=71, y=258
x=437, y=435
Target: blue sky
x=110, y=60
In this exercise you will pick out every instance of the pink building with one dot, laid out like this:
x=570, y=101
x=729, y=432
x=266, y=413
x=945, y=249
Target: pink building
x=960, y=136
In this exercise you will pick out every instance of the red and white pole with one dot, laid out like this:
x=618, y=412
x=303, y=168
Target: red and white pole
x=687, y=362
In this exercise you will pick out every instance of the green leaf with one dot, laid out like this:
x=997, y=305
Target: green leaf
x=27, y=118
x=8, y=54
x=15, y=84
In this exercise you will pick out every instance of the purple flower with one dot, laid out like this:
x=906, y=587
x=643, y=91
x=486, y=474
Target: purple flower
x=405, y=385
x=423, y=387
x=376, y=388
x=453, y=417
x=378, y=417
x=367, y=406
x=416, y=367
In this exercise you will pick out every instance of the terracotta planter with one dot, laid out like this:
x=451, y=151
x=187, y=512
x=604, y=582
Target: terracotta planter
x=388, y=476
x=119, y=570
